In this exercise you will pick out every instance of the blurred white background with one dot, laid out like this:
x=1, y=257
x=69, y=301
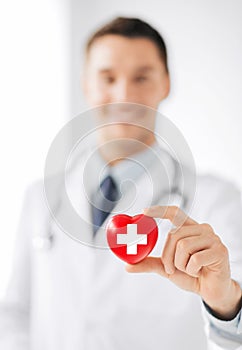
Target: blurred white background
x=35, y=85
x=41, y=43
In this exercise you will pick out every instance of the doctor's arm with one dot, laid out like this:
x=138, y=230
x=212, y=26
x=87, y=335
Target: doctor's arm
x=14, y=308
x=195, y=259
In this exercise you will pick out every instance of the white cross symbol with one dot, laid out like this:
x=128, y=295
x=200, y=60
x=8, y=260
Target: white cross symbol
x=132, y=239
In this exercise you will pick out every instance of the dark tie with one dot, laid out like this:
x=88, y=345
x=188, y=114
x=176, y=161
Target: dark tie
x=103, y=202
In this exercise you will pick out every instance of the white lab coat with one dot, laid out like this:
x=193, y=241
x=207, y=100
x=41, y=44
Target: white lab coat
x=68, y=296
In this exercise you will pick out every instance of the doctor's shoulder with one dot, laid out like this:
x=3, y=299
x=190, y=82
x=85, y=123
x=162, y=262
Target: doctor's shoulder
x=218, y=201
x=216, y=189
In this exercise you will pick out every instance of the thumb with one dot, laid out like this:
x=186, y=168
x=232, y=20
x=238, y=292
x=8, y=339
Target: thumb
x=149, y=264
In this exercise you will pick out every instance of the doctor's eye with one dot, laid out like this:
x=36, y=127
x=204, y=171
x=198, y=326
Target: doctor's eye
x=108, y=80
x=141, y=79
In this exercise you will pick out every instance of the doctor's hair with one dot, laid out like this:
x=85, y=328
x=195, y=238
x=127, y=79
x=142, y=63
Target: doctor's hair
x=131, y=28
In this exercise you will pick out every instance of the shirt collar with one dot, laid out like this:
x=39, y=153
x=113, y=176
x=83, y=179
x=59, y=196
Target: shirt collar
x=130, y=168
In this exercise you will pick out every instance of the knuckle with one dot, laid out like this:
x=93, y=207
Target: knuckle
x=195, y=260
x=178, y=264
x=217, y=239
x=219, y=246
x=206, y=227
x=182, y=245
x=224, y=250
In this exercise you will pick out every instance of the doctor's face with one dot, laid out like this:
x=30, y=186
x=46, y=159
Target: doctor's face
x=125, y=70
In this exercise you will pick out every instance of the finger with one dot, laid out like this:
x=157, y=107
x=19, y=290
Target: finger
x=168, y=254
x=209, y=257
x=172, y=213
x=152, y=264
x=188, y=246
x=149, y=264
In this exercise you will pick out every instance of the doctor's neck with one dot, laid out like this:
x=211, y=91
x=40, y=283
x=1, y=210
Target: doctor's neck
x=116, y=150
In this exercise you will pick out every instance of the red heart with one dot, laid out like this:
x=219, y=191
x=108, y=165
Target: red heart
x=140, y=232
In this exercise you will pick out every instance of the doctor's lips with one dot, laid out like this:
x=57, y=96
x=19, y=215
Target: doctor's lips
x=124, y=114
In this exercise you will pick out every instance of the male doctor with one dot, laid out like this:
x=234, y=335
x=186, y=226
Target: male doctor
x=66, y=295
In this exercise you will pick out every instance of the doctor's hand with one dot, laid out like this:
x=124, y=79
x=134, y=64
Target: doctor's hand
x=195, y=259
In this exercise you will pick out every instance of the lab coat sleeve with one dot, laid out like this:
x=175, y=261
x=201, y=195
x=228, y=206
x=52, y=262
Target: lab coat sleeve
x=224, y=334
x=226, y=218
x=15, y=306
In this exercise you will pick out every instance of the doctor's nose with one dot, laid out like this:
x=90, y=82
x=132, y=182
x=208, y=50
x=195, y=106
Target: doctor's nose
x=124, y=91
